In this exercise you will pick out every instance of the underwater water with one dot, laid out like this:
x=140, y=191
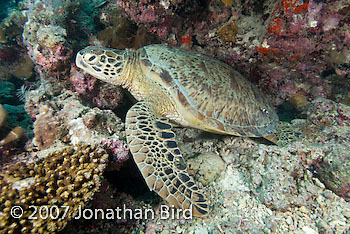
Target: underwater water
x=174, y=116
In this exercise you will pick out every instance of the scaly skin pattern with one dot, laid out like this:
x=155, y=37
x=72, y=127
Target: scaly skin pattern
x=185, y=87
x=189, y=88
x=155, y=152
x=209, y=94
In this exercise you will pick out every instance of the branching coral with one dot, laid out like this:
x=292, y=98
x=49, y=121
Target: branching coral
x=63, y=181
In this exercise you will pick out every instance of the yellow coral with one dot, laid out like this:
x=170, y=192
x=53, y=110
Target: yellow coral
x=61, y=182
x=227, y=2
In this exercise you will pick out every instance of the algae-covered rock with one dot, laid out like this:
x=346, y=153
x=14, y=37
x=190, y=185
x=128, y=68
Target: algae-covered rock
x=334, y=170
x=278, y=176
x=208, y=167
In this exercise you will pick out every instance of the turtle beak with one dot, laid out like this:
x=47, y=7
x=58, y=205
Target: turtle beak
x=79, y=61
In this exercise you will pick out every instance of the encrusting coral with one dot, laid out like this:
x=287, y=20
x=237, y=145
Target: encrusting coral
x=46, y=128
x=61, y=181
x=46, y=42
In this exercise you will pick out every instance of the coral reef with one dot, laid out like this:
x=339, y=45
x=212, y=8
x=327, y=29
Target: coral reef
x=274, y=43
x=119, y=149
x=119, y=32
x=326, y=113
x=296, y=51
x=62, y=180
x=64, y=118
x=228, y=32
x=328, y=122
x=45, y=36
x=278, y=177
x=297, y=32
x=82, y=84
x=109, y=197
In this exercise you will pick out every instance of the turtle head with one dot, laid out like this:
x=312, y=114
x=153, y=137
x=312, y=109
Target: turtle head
x=103, y=63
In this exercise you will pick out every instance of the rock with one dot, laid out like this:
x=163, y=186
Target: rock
x=208, y=167
x=334, y=170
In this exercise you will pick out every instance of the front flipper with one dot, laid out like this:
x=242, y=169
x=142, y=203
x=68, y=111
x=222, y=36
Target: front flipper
x=152, y=144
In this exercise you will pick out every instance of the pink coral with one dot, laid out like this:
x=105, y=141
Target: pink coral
x=47, y=42
x=299, y=44
x=82, y=84
x=153, y=228
x=101, y=94
x=169, y=18
x=148, y=16
x=119, y=149
x=108, y=97
x=331, y=22
x=52, y=58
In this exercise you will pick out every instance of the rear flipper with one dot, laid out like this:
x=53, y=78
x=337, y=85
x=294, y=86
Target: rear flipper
x=152, y=144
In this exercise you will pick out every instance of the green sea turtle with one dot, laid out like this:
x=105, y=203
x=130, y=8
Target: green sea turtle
x=185, y=87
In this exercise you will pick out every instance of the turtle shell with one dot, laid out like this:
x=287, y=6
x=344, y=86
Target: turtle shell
x=209, y=94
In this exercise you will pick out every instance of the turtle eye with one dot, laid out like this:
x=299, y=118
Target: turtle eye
x=90, y=58
x=265, y=110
